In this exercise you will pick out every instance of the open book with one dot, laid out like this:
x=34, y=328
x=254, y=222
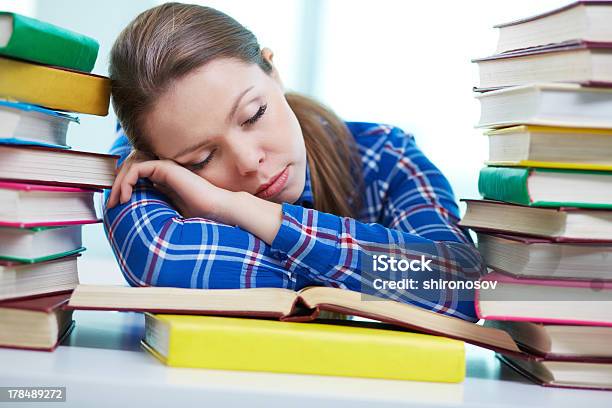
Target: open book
x=287, y=305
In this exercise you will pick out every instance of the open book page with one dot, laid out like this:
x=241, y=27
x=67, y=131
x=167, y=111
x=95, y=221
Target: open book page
x=405, y=315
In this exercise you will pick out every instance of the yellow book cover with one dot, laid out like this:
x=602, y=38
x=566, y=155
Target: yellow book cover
x=230, y=343
x=549, y=165
x=54, y=88
x=551, y=147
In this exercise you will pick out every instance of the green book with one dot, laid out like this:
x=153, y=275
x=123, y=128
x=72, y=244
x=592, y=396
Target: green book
x=34, y=40
x=543, y=187
x=33, y=245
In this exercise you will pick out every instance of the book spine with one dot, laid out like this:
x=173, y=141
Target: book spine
x=504, y=184
x=41, y=42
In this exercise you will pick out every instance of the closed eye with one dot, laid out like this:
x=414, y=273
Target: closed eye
x=203, y=163
x=256, y=116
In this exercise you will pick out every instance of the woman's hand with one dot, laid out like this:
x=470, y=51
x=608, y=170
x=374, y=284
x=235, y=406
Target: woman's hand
x=192, y=195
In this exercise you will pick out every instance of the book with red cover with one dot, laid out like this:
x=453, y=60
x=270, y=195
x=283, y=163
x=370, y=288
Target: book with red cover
x=24, y=205
x=570, y=302
x=563, y=224
x=530, y=257
x=555, y=11
x=571, y=45
x=24, y=280
x=42, y=330
x=63, y=167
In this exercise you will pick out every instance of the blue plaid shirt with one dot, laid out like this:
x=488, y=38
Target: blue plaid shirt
x=406, y=201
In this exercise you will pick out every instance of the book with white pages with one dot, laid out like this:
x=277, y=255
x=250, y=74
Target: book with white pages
x=25, y=124
x=39, y=243
x=547, y=104
x=584, y=20
x=22, y=280
x=528, y=257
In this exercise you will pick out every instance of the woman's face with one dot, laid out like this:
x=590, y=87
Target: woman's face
x=230, y=123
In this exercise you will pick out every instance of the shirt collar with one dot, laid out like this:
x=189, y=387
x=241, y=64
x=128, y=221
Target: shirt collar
x=306, y=199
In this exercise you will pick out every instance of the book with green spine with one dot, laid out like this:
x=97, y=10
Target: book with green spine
x=34, y=40
x=541, y=187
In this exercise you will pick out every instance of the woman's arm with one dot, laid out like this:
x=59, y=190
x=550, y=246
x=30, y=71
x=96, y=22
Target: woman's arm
x=155, y=246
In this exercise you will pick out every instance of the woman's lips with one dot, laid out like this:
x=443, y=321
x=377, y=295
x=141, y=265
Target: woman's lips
x=277, y=185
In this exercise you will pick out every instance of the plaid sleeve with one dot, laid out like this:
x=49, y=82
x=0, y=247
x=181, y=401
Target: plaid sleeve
x=419, y=216
x=155, y=246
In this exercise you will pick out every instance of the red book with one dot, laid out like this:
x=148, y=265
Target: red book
x=581, y=20
x=527, y=257
x=35, y=323
x=21, y=280
x=25, y=205
x=544, y=300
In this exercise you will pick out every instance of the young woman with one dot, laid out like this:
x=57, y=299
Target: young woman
x=226, y=181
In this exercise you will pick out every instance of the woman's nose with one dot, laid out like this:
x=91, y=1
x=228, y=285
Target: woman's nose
x=247, y=157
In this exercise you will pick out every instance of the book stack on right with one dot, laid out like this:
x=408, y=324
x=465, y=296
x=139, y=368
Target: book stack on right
x=544, y=225
x=46, y=188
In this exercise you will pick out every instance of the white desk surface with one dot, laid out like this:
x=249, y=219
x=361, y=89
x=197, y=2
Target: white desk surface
x=102, y=365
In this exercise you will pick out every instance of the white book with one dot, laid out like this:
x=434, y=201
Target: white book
x=19, y=280
x=40, y=243
x=31, y=205
x=22, y=123
x=585, y=20
x=547, y=104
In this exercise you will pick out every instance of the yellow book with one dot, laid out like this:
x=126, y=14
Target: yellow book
x=54, y=88
x=551, y=147
x=230, y=343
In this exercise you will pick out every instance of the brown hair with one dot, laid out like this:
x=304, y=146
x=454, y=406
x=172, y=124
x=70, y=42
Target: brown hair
x=167, y=42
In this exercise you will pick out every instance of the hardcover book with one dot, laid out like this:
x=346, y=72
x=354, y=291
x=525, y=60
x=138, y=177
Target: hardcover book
x=19, y=280
x=525, y=257
x=34, y=40
x=230, y=343
x=30, y=245
x=22, y=123
x=563, y=374
x=545, y=301
x=33, y=205
x=37, y=164
x=53, y=87
x=563, y=224
x=581, y=62
x=547, y=187
x=581, y=20
x=561, y=342
x=567, y=105
x=551, y=147
x=35, y=324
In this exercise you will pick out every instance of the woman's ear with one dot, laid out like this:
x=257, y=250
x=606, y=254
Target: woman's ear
x=268, y=55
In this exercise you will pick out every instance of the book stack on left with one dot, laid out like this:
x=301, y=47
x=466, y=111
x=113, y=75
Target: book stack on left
x=545, y=224
x=46, y=189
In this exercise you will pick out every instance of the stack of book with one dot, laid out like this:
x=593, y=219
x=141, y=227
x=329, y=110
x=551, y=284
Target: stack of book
x=46, y=189
x=544, y=226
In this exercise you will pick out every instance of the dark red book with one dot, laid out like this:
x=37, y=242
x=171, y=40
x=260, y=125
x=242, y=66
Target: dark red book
x=563, y=224
x=35, y=323
x=575, y=61
x=581, y=20
x=530, y=257
x=23, y=280
x=62, y=167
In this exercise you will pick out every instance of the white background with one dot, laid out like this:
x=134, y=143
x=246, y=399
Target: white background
x=405, y=63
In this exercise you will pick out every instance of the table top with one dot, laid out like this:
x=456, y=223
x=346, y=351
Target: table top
x=102, y=364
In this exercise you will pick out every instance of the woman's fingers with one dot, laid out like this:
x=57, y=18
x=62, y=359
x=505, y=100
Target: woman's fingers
x=147, y=169
x=113, y=198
